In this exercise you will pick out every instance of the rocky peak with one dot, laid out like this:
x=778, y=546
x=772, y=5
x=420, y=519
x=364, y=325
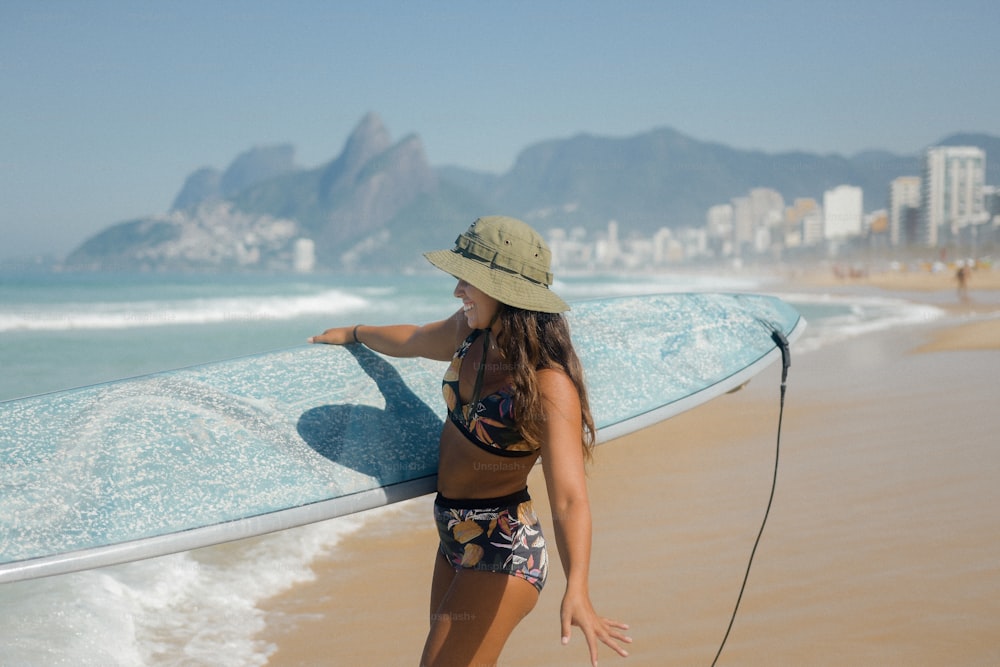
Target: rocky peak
x=369, y=139
x=200, y=187
x=381, y=189
x=248, y=169
x=256, y=166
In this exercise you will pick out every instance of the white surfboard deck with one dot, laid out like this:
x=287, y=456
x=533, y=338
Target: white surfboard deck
x=188, y=458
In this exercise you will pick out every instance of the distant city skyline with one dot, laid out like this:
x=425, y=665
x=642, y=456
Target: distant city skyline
x=108, y=105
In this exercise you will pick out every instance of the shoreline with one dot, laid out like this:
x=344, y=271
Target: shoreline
x=878, y=550
x=923, y=279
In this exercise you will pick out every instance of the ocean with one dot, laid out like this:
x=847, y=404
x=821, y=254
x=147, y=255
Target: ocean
x=203, y=607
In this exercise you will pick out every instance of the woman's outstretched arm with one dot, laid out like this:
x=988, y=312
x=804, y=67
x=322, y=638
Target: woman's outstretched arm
x=563, y=465
x=436, y=340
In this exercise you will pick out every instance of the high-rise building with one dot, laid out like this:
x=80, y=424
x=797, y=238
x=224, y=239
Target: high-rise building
x=843, y=212
x=803, y=223
x=812, y=227
x=719, y=225
x=767, y=207
x=904, y=202
x=991, y=202
x=753, y=217
x=742, y=224
x=952, y=192
x=877, y=227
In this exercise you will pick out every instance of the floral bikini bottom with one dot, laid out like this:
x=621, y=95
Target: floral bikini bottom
x=494, y=535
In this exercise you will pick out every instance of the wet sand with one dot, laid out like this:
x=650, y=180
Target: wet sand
x=881, y=547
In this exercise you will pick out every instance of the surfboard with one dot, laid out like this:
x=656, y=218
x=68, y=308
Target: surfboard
x=188, y=458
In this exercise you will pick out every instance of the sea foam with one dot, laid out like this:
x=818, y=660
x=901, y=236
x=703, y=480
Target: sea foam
x=132, y=314
x=846, y=317
x=194, y=608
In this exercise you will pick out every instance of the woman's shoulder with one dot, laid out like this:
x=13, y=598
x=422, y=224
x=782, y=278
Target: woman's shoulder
x=554, y=382
x=439, y=340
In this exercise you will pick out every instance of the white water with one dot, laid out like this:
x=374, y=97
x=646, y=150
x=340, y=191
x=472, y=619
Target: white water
x=193, y=608
x=842, y=318
x=155, y=313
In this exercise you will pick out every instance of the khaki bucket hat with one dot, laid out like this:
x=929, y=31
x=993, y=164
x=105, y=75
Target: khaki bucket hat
x=505, y=258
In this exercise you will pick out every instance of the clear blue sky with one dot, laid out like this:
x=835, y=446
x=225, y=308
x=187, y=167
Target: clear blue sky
x=106, y=107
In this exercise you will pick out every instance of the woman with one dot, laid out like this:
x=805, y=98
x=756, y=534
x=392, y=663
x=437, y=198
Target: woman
x=514, y=393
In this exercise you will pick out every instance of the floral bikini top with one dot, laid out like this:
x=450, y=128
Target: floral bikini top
x=487, y=422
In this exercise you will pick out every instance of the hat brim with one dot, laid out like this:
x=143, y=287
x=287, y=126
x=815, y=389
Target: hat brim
x=504, y=286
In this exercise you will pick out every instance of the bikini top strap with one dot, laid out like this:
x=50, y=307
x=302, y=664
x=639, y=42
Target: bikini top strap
x=476, y=388
x=482, y=364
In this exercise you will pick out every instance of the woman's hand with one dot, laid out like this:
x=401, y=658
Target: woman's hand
x=335, y=336
x=577, y=610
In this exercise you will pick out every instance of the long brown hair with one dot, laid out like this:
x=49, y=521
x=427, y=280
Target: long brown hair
x=531, y=341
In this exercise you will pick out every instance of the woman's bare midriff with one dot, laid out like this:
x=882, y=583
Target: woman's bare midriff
x=465, y=471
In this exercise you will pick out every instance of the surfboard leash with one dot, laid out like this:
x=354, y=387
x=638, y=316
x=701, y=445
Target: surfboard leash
x=786, y=360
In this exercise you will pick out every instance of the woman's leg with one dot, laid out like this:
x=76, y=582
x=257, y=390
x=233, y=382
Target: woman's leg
x=475, y=616
x=444, y=574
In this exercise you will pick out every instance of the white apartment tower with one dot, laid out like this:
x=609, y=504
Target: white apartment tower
x=952, y=196
x=843, y=212
x=904, y=203
x=719, y=223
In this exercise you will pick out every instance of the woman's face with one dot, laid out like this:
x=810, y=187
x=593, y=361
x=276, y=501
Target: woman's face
x=479, y=308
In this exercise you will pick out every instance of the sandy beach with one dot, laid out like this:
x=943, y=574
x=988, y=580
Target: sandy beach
x=881, y=547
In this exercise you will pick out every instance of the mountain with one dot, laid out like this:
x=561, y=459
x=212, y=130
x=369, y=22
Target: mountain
x=378, y=204
x=204, y=185
x=663, y=178
x=254, y=166
x=251, y=215
x=354, y=196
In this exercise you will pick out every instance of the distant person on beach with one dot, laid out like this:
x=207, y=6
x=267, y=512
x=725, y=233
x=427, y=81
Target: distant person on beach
x=962, y=276
x=514, y=392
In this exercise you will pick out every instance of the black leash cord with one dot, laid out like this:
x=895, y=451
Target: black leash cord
x=781, y=342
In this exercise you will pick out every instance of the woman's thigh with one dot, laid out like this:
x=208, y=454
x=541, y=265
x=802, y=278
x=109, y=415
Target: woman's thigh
x=475, y=616
x=444, y=574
